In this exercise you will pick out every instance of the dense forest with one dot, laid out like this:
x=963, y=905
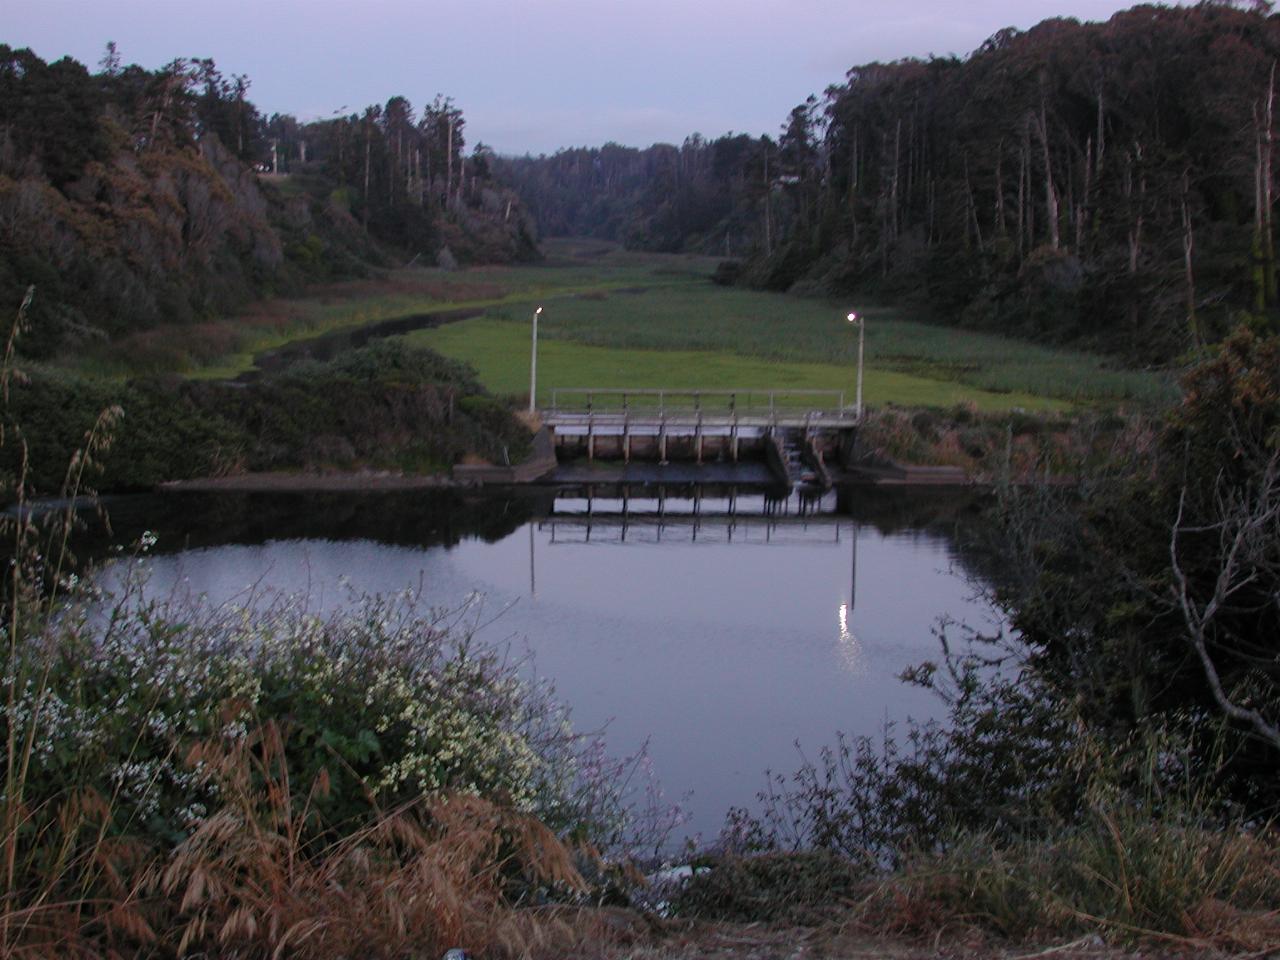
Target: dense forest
x=131, y=197
x=1107, y=184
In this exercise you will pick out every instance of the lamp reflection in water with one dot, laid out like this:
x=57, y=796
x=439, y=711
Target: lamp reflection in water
x=533, y=566
x=850, y=645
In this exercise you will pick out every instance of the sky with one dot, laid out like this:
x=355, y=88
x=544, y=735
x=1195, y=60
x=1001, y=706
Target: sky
x=532, y=76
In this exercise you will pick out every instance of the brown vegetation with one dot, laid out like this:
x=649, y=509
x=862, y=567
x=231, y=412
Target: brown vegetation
x=1003, y=448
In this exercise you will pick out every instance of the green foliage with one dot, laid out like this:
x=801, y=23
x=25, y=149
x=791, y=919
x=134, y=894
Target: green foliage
x=381, y=406
x=1044, y=186
x=161, y=436
x=1149, y=591
x=384, y=700
x=135, y=198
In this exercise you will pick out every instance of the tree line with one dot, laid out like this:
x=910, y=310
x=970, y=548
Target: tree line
x=1107, y=184
x=132, y=197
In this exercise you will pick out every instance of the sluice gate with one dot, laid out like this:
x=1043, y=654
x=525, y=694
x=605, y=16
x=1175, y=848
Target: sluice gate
x=797, y=432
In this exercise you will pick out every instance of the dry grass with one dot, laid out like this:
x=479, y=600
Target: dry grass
x=262, y=876
x=532, y=419
x=1123, y=879
x=257, y=877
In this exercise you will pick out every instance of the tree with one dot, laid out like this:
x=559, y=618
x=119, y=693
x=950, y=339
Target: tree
x=1224, y=542
x=1151, y=595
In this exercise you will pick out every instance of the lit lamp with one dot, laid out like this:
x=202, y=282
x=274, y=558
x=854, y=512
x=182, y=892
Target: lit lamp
x=862, y=329
x=533, y=364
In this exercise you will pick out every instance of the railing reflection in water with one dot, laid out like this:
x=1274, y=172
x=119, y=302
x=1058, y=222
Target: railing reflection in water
x=631, y=515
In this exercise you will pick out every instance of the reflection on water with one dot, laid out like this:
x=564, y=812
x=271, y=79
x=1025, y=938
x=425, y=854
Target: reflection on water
x=719, y=626
x=850, y=649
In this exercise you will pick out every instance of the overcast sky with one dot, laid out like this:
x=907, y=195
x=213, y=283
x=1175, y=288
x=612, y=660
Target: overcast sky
x=534, y=75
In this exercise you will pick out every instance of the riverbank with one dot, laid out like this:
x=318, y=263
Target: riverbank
x=303, y=482
x=365, y=481
x=898, y=447
x=381, y=413
x=323, y=685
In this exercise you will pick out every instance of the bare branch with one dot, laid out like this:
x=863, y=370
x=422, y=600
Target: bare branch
x=1247, y=518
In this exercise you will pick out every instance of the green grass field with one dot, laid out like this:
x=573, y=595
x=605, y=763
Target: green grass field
x=618, y=319
x=655, y=327
x=499, y=350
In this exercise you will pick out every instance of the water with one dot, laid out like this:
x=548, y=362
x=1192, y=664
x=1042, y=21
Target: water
x=722, y=630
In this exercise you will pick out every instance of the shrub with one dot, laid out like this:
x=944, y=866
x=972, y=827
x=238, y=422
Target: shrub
x=385, y=699
x=1020, y=815
x=256, y=780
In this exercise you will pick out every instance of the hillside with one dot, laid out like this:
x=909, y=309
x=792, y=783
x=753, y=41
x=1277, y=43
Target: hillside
x=1109, y=185
x=132, y=198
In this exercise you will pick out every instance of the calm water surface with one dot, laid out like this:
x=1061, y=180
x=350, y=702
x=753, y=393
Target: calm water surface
x=722, y=629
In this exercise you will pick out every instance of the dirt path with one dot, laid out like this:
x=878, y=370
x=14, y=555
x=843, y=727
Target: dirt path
x=759, y=942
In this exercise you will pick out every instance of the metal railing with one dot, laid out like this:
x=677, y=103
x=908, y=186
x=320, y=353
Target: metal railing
x=704, y=403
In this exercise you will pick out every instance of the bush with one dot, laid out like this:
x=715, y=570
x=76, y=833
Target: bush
x=179, y=774
x=385, y=700
x=244, y=780
x=1020, y=815
x=383, y=406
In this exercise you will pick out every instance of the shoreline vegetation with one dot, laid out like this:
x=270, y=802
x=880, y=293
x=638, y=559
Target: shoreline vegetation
x=435, y=397
x=260, y=781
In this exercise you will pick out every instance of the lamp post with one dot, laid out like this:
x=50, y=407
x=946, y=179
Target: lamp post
x=862, y=329
x=533, y=363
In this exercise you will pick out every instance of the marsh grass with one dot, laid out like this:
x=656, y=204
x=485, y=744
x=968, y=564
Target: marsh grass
x=629, y=305
x=784, y=328
x=220, y=349
x=1177, y=879
x=499, y=351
